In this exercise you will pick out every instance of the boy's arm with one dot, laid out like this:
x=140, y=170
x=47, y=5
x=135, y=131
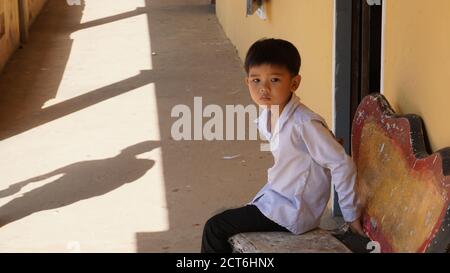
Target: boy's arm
x=327, y=152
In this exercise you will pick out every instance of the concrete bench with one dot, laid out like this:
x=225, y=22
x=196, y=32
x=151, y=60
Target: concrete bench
x=283, y=242
x=404, y=189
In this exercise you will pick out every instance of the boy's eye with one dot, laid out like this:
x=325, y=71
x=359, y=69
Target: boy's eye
x=275, y=80
x=256, y=80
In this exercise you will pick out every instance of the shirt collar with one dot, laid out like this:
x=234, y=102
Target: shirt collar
x=288, y=110
x=261, y=123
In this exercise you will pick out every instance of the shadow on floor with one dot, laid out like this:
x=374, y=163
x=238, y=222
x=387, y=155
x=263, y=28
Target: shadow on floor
x=78, y=181
x=196, y=59
x=41, y=69
x=33, y=74
x=192, y=57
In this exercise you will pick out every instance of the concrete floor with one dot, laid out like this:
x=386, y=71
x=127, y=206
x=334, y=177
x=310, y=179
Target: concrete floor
x=88, y=163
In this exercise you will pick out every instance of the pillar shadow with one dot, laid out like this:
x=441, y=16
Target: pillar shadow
x=33, y=74
x=22, y=95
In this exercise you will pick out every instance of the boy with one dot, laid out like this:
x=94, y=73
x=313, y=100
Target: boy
x=306, y=156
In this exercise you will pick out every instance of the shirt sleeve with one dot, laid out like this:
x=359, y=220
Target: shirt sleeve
x=328, y=153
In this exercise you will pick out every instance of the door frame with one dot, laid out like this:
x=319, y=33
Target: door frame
x=351, y=71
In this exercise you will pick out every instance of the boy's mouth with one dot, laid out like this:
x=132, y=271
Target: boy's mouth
x=265, y=98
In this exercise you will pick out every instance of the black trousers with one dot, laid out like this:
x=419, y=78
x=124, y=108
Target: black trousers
x=219, y=228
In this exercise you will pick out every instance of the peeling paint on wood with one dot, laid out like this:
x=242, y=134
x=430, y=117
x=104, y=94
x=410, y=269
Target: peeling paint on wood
x=405, y=190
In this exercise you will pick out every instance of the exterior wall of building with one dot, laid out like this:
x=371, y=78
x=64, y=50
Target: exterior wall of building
x=10, y=27
x=417, y=63
x=307, y=24
x=416, y=59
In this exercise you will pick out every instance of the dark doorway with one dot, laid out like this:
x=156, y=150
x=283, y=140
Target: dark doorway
x=366, y=50
x=358, y=62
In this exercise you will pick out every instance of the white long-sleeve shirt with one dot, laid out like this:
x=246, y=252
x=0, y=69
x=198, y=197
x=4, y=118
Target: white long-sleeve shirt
x=307, y=160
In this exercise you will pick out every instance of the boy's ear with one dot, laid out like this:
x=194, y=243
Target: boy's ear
x=296, y=82
x=246, y=80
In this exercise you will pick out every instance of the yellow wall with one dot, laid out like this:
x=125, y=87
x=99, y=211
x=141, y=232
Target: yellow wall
x=307, y=24
x=417, y=63
x=11, y=39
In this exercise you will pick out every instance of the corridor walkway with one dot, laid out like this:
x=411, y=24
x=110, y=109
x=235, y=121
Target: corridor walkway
x=87, y=160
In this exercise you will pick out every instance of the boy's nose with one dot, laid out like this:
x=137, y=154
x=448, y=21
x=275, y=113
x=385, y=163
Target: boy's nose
x=264, y=88
x=263, y=91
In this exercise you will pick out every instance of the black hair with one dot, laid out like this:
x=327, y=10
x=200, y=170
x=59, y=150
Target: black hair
x=274, y=52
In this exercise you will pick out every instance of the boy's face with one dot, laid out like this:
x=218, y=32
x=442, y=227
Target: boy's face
x=271, y=85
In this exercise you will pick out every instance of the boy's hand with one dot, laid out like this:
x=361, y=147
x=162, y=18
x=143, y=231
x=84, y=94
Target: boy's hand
x=356, y=227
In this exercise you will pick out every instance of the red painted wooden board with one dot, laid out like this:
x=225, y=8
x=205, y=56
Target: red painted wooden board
x=404, y=190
